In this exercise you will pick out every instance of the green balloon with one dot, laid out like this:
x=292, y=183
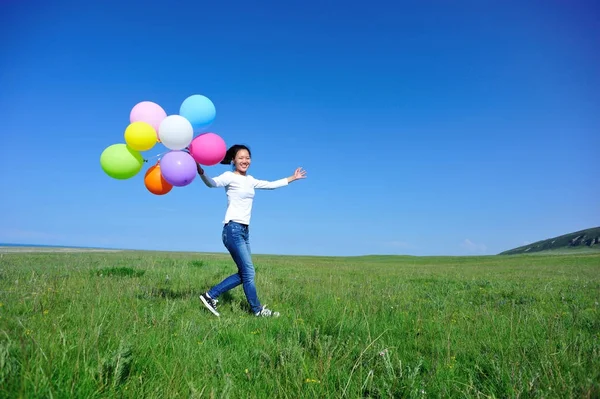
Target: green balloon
x=120, y=161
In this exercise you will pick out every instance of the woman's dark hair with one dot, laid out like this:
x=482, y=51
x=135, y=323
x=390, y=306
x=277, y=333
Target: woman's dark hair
x=232, y=152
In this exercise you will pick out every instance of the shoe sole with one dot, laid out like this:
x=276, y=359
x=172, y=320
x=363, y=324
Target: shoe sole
x=274, y=314
x=207, y=305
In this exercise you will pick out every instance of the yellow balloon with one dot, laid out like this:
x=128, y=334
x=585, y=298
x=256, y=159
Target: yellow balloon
x=140, y=136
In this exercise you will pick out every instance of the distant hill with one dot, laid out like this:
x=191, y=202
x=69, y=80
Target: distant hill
x=580, y=240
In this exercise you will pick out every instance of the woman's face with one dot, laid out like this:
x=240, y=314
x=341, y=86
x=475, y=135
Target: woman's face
x=242, y=161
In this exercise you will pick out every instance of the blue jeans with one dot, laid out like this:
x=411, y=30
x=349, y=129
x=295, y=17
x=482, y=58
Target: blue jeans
x=236, y=238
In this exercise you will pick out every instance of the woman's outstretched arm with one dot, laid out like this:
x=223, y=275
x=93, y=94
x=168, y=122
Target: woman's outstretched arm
x=270, y=185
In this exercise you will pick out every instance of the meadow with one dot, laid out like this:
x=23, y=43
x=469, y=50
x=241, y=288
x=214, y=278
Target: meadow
x=130, y=325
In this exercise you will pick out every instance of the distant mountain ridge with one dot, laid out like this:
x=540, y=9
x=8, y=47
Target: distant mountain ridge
x=588, y=238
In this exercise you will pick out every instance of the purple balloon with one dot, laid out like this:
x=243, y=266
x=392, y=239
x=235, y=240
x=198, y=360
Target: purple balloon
x=178, y=168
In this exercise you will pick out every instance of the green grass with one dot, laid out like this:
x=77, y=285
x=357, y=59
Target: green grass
x=130, y=325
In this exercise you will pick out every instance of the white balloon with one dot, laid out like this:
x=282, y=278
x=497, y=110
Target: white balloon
x=175, y=132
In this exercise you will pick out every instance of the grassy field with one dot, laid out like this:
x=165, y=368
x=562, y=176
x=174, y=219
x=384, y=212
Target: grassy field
x=130, y=325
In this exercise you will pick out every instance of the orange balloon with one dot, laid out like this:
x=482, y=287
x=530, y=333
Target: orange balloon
x=154, y=181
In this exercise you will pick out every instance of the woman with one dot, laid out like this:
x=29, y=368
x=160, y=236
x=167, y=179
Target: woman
x=239, y=187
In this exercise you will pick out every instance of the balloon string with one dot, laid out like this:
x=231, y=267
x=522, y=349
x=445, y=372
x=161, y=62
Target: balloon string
x=155, y=156
x=186, y=149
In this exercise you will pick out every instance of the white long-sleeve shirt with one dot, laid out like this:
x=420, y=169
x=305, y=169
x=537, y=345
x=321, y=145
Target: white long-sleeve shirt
x=240, y=193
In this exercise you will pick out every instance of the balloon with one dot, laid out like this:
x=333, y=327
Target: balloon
x=175, y=132
x=148, y=112
x=199, y=110
x=140, y=136
x=208, y=149
x=120, y=161
x=155, y=182
x=178, y=168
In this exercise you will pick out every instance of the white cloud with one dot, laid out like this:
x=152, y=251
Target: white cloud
x=473, y=247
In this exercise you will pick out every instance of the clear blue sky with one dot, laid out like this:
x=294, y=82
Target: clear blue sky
x=426, y=128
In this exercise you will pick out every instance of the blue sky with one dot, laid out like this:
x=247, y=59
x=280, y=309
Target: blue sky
x=426, y=128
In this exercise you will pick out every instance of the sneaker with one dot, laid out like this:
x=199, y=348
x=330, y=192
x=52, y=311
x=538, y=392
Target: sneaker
x=211, y=304
x=264, y=312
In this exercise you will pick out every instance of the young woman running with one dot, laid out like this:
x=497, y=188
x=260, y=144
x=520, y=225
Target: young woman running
x=239, y=187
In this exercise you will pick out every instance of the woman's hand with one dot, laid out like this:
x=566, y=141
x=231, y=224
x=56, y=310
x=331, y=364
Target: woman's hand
x=298, y=174
x=200, y=170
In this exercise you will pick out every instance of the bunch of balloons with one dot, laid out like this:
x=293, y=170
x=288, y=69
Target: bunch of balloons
x=149, y=125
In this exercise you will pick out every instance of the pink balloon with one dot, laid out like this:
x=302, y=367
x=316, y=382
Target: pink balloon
x=208, y=149
x=148, y=112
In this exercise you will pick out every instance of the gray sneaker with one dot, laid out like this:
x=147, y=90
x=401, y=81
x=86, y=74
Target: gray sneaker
x=264, y=312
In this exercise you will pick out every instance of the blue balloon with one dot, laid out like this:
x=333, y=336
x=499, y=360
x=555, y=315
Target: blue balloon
x=198, y=110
